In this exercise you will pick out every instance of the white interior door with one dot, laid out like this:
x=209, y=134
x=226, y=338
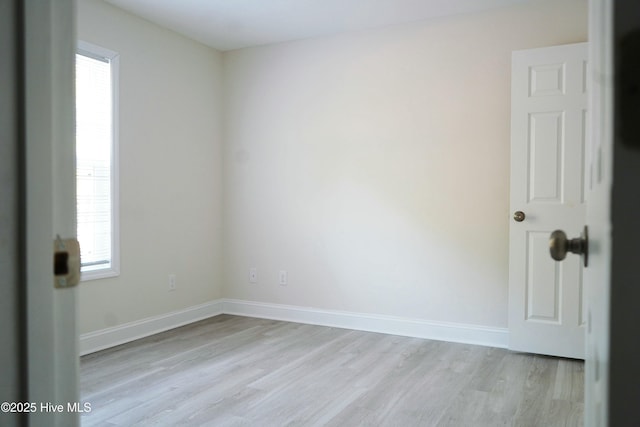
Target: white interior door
x=548, y=132
x=48, y=111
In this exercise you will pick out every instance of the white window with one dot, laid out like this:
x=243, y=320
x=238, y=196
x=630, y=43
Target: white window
x=96, y=160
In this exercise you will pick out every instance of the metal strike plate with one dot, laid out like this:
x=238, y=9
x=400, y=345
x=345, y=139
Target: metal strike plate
x=66, y=263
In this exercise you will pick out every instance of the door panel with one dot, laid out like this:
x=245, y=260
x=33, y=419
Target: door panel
x=543, y=283
x=545, y=157
x=548, y=184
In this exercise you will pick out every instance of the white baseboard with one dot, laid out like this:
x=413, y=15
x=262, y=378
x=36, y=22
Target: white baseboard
x=418, y=328
x=111, y=337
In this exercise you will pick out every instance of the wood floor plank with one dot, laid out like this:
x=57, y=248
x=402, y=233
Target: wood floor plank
x=239, y=371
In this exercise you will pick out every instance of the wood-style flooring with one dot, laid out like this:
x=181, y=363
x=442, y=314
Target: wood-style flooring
x=240, y=371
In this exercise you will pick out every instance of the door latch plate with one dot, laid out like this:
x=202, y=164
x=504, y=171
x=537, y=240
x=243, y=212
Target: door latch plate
x=66, y=263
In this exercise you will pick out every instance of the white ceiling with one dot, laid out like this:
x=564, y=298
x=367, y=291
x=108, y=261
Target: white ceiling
x=234, y=24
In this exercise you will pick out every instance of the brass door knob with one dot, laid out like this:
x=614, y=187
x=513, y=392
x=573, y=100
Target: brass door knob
x=519, y=216
x=559, y=245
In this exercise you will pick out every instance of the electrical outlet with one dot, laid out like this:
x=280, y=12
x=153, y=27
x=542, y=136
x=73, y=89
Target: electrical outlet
x=283, y=277
x=253, y=275
x=172, y=282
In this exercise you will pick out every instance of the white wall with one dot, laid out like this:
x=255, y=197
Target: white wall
x=170, y=170
x=374, y=166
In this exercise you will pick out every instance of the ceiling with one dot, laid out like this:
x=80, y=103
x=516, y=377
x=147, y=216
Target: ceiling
x=234, y=24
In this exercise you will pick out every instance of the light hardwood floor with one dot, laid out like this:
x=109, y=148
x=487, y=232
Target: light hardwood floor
x=240, y=371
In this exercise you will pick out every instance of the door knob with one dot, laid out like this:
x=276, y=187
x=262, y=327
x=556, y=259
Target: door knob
x=519, y=216
x=559, y=245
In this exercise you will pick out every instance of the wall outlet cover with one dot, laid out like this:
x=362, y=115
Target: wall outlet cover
x=283, y=277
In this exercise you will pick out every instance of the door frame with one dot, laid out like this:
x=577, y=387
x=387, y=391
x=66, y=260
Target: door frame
x=44, y=356
x=12, y=303
x=612, y=378
x=624, y=328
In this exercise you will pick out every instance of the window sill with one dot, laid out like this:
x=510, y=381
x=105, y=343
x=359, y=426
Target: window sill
x=98, y=274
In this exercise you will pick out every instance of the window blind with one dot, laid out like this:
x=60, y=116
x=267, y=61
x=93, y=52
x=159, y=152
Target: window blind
x=94, y=142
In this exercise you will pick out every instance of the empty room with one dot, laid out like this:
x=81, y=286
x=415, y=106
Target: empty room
x=357, y=180
x=343, y=213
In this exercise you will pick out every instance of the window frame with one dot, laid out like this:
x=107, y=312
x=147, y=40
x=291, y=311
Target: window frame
x=97, y=52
